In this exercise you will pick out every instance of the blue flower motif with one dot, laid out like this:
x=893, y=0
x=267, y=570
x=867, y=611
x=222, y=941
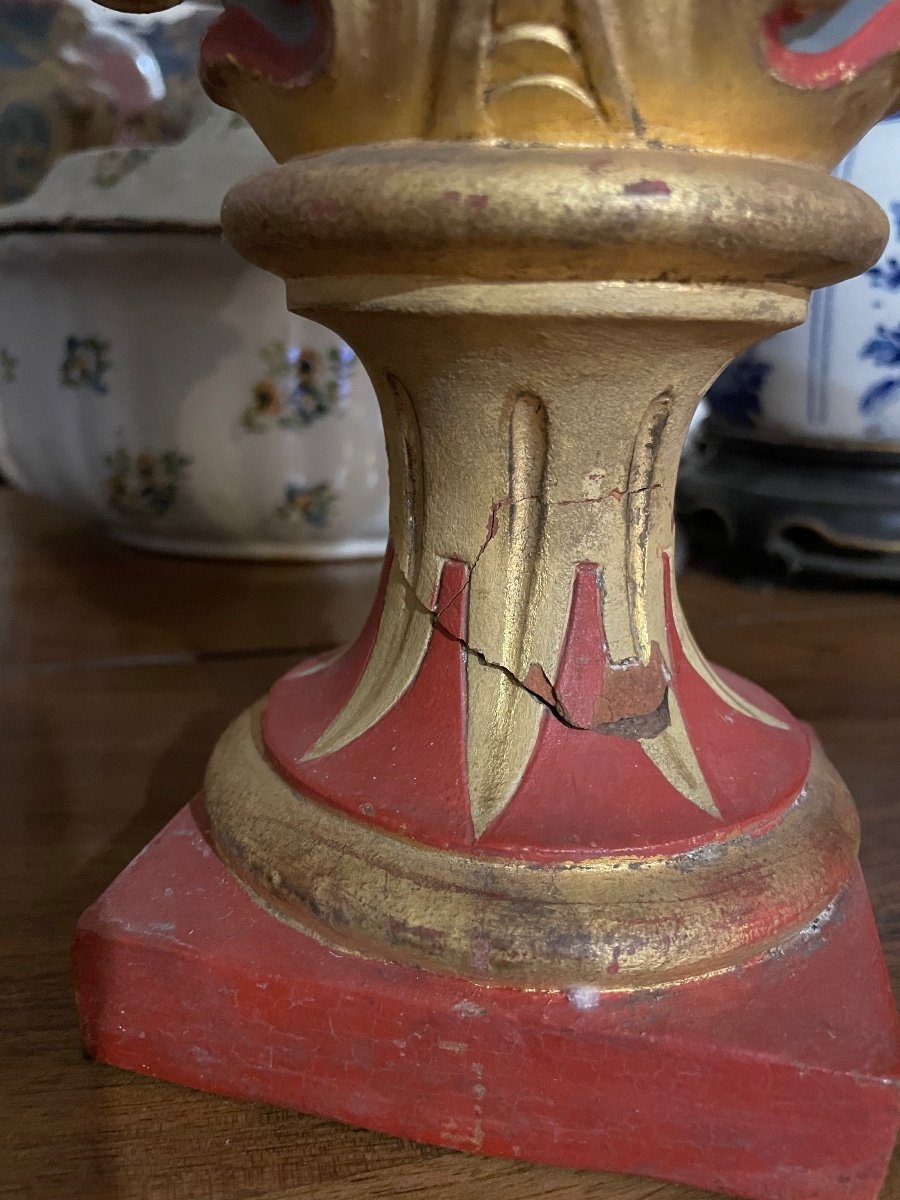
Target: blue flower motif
x=140, y=484
x=85, y=365
x=309, y=504
x=735, y=395
x=880, y=394
x=885, y=275
x=884, y=348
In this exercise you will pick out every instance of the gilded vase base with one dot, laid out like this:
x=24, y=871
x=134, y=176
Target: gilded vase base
x=373, y=849
x=778, y=1081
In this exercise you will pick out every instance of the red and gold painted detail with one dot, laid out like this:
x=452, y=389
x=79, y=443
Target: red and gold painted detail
x=594, y=692
x=312, y=75
x=610, y=921
x=777, y=1082
x=529, y=47
x=408, y=773
x=288, y=42
x=525, y=772
x=876, y=38
x=585, y=791
x=630, y=214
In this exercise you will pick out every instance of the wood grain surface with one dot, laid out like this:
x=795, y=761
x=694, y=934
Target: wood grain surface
x=117, y=672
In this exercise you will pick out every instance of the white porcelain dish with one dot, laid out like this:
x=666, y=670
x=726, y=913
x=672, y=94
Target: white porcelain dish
x=152, y=379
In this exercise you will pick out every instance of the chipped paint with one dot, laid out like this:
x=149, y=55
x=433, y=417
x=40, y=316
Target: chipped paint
x=648, y=187
x=466, y=1008
x=584, y=997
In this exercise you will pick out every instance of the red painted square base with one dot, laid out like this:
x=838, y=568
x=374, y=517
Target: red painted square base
x=776, y=1082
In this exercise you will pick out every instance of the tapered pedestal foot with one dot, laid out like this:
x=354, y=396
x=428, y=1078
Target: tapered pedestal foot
x=777, y=1081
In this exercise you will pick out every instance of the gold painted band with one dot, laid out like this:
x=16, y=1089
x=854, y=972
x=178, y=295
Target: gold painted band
x=609, y=299
x=617, y=921
x=553, y=212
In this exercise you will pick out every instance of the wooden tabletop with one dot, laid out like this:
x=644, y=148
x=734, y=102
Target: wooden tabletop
x=117, y=672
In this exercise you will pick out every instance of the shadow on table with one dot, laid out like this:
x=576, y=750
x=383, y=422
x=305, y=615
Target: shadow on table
x=115, y=600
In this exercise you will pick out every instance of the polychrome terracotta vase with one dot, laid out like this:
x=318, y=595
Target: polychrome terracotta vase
x=520, y=872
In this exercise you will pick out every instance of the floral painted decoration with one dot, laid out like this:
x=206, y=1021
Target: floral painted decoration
x=736, y=394
x=114, y=165
x=886, y=273
x=311, y=505
x=144, y=484
x=85, y=364
x=299, y=388
x=883, y=349
x=287, y=41
x=9, y=365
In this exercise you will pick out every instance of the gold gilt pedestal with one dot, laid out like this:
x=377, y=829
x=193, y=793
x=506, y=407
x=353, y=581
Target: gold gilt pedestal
x=520, y=871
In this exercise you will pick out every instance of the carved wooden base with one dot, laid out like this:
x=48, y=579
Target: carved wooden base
x=751, y=507
x=775, y=1082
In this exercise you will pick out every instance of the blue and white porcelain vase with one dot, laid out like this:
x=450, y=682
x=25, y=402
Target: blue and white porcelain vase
x=836, y=379
x=798, y=457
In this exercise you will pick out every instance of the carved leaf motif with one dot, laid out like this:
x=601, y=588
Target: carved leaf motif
x=672, y=753
x=503, y=716
x=406, y=626
x=535, y=80
x=707, y=671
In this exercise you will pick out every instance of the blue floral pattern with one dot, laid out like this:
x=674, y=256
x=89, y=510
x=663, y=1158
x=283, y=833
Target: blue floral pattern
x=300, y=387
x=85, y=365
x=883, y=349
x=886, y=275
x=736, y=394
x=144, y=484
x=740, y=394
x=879, y=394
x=312, y=505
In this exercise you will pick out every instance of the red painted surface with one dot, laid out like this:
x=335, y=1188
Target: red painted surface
x=777, y=1082
x=647, y=187
x=875, y=38
x=407, y=774
x=290, y=43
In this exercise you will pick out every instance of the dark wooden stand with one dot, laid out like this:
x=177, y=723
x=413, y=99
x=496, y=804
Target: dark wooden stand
x=756, y=507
